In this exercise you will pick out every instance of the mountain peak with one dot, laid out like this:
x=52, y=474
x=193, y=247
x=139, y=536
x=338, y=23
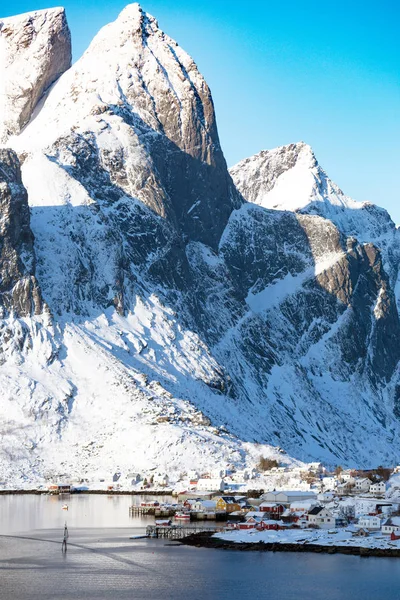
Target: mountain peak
x=140, y=106
x=134, y=19
x=134, y=11
x=287, y=178
x=35, y=49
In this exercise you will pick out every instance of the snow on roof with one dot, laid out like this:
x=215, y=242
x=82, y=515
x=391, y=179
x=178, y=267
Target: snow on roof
x=294, y=493
x=393, y=521
x=302, y=504
x=270, y=521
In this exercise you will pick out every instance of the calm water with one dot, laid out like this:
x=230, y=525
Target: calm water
x=102, y=562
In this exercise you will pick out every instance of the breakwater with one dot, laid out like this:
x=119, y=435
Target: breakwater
x=206, y=540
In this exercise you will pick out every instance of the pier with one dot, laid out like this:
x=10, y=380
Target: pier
x=177, y=532
x=154, y=511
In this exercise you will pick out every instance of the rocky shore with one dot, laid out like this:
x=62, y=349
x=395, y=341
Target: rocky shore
x=206, y=540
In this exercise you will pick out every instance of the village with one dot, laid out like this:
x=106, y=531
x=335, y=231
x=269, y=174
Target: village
x=361, y=506
x=267, y=498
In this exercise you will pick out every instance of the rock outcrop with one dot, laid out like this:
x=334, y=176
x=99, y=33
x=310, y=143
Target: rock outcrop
x=35, y=49
x=19, y=291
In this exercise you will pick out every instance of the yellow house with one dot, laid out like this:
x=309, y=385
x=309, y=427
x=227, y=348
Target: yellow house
x=226, y=504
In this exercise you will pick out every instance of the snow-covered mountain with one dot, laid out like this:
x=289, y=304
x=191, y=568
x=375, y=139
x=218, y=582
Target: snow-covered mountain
x=159, y=315
x=290, y=178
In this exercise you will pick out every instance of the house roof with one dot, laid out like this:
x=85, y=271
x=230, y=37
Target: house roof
x=393, y=521
x=294, y=493
x=302, y=505
x=316, y=510
x=269, y=522
x=229, y=499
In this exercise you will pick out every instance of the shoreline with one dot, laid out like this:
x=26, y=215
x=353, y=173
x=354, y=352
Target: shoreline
x=206, y=540
x=79, y=492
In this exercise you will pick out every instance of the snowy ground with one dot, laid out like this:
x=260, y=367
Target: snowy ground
x=331, y=537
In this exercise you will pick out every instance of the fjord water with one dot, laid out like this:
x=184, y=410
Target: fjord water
x=102, y=562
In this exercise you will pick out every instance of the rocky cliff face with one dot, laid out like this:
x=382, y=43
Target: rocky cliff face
x=135, y=118
x=35, y=49
x=274, y=319
x=19, y=291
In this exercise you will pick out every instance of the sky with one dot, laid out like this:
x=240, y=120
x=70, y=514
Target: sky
x=326, y=73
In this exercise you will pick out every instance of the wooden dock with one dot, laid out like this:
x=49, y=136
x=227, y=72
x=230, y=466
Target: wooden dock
x=154, y=511
x=177, y=532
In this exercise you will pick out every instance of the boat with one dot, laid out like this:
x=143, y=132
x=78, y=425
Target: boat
x=163, y=522
x=65, y=506
x=182, y=516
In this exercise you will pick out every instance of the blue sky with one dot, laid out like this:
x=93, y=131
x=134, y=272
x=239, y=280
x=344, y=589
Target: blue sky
x=325, y=73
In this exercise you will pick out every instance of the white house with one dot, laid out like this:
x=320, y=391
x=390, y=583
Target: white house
x=362, y=484
x=328, y=483
x=321, y=517
x=239, y=477
x=211, y=485
x=378, y=488
x=369, y=522
x=392, y=524
x=206, y=506
x=160, y=479
x=324, y=497
x=345, y=488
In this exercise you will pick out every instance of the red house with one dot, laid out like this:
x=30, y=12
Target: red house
x=250, y=523
x=274, y=510
x=268, y=524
